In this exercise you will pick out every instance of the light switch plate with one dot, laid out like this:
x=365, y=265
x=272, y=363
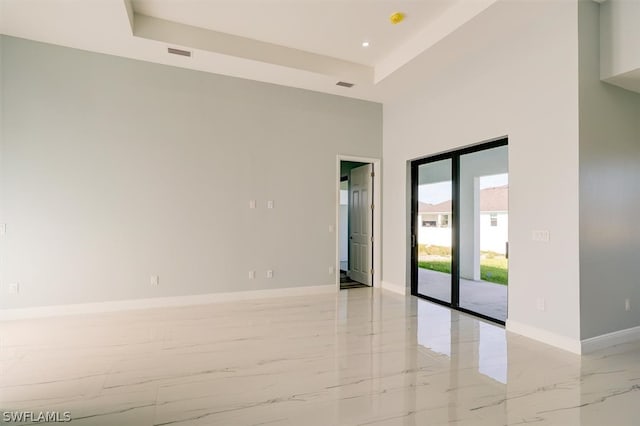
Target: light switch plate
x=13, y=288
x=270, y=204
x=252, y=204
x=541, y=236
x=154, y=280
x=3, y=228
x=269, y=273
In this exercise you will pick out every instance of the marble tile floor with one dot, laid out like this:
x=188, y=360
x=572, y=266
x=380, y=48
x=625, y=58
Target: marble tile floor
x=359, y=357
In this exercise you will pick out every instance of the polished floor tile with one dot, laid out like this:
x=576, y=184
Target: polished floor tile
x=361, y=357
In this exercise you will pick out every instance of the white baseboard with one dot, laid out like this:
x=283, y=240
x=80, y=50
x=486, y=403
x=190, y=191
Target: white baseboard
x=544, y=336
x=610, y=339
x=158, y=302
x=400, y=289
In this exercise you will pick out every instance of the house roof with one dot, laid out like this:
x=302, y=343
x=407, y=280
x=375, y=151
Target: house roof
x=444, y=207
x=494, y=199
x=491, y=200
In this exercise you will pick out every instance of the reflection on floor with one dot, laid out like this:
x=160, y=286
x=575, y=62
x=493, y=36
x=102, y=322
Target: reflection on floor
x=479, y=296
x=353, y=357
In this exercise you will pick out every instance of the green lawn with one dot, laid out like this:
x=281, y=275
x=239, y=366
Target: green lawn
x=493, y=270
x=440, y=266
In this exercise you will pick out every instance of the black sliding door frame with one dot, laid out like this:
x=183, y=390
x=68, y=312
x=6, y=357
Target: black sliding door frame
x=454, y=156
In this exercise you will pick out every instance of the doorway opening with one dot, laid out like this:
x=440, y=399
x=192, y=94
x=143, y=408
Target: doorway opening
x=356, y=224
x=459, y=231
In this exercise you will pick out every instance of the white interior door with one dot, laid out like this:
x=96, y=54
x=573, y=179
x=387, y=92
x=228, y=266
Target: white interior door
x=360, y=216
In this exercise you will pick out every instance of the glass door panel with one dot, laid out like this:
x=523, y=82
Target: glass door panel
x=483, y=232
x=433, y=224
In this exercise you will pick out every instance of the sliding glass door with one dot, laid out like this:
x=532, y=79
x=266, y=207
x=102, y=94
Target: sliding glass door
x=460, y=229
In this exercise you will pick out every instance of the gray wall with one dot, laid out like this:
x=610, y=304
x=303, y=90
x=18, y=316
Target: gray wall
x=619, y=34
x=510, y=71
x=2, y=260
x=114, y=170
x=609, y=192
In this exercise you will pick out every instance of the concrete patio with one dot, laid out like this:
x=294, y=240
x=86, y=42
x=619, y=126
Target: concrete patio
x=483, y=297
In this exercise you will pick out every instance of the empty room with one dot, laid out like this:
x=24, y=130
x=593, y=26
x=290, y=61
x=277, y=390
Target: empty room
x=319, y=212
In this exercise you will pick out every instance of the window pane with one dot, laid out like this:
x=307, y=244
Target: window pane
x=484, y=212
x=434, y=233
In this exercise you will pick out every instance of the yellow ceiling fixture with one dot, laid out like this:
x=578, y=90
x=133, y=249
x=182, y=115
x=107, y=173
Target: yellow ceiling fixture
x=396, y=18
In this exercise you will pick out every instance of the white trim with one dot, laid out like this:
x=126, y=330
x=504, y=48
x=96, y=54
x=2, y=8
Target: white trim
x=158, y=302
x=377, y=221
x=399, y=289
x=544, y=336
x=610, y=339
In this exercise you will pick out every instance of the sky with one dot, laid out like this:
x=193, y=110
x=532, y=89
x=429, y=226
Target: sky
x=438, y=192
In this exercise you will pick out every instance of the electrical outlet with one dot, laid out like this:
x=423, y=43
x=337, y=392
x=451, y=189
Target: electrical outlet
x=154, y=280
x=13, y=288
x=540, y=304
x=627, y=304
x=269, y=273
x=252, y=274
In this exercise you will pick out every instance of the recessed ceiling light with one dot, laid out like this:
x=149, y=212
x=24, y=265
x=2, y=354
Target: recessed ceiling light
x=365, y=44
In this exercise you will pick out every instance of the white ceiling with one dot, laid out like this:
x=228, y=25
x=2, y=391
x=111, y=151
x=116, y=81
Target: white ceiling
x=309, y=44
x=327, y=27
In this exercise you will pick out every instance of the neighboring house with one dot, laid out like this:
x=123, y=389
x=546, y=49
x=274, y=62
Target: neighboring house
x=493, y=221
x=434, y=224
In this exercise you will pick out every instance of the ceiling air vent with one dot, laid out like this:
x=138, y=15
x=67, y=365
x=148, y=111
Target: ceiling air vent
x=179, y=52
x=344, y=84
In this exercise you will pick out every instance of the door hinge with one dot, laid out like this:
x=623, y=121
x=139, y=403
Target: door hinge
x=372, y=238
x=371, y=271
x=373, y=174
x=372, y=206
x=413, y=240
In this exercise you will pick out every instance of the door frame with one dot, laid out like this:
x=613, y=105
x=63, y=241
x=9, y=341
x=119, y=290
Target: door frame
x=454, y=156
x=377, y=222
